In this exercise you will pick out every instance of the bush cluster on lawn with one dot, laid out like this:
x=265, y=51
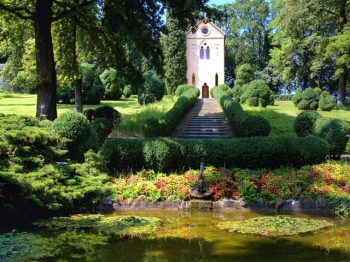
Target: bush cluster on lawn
x=330, y=180
x=257, y=93
x=333, y=130
x=244, y=125
x=312, y=99
x=165, y=154
x=164, y=126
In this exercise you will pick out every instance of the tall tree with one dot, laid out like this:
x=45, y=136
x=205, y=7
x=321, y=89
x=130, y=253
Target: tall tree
x=125, y=20
x=174, y=51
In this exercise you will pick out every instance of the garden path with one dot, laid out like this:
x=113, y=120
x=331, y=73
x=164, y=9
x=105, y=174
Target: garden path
x=204, y=120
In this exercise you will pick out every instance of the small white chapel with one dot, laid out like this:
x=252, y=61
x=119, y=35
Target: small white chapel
x=205, y=57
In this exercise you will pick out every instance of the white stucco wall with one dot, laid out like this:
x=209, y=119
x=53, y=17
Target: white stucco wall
x=205, y=70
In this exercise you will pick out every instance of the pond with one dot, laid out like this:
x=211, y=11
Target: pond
x=194, y=236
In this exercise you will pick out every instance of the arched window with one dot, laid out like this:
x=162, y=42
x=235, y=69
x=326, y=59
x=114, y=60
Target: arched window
x=193, y=80
x=208, y=52
x=201, y=53
x=216, y=79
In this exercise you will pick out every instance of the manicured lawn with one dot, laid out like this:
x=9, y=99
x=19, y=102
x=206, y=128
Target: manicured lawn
x=24, y=104
x=281, y=116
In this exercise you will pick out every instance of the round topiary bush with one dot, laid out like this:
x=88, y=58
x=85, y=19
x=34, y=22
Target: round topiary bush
x=244, y=75
x=127, y=92
x=182, y=89
x=152, y=90
x=109, y=113
x=304, y=122
x=76, y=128
x=314, y=105
x=259, y=90
x=255, y=126
x=102, y=128
x=327, y=102
x=89, y=113
x=297, y=96
x=303, y=105
x=112, y=83
x=333, y=132
x=253, y=101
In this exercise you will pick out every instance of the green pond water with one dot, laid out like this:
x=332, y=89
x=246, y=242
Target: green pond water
x=194, y=236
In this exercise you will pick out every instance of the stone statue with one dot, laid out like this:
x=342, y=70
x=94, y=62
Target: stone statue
x=200, y=189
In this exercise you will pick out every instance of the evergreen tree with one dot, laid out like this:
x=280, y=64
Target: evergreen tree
x=174, y=50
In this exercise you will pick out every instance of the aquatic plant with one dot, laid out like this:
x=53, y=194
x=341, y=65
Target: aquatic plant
x=23, y=246
x=274, y=225
x=116, y=225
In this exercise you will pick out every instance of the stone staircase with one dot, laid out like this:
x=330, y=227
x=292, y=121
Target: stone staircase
x=204, y=120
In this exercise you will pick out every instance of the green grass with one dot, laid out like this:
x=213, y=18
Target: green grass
x=282, y=115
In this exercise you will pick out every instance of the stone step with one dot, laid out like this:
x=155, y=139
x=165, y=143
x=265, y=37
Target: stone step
x=204, y=120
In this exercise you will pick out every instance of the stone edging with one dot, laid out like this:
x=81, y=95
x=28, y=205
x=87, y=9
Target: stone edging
x=303, y=204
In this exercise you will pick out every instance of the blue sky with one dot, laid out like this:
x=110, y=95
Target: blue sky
x=219, y=2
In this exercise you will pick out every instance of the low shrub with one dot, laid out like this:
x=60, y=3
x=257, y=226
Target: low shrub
x=127, y=91
x=327, y=102
x=304, y=122
x=109, y=113
x=182, y=89
x=297, y=97
x=164, y=154
x=244, y=125
x=76, y=128
x=102, y=128
x=167, y=123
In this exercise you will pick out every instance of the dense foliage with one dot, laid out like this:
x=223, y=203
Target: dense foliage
x=165, y=154
x=245, y=125
x=152, y=90
x=75, y=127
x=112, y=84
x=35, y=176
x=257, y=93
x=165, y=125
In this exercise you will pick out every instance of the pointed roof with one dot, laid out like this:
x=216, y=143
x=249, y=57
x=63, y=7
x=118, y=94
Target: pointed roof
x=205, y=21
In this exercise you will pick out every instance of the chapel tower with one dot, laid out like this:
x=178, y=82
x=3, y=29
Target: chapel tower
x=205, y=57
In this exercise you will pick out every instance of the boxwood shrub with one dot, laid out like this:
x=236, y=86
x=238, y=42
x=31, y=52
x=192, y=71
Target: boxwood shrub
x=166, y=154
x=164, y=127
x=244, y=125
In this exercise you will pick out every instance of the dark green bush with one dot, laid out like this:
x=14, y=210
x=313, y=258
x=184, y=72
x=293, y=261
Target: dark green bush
x=103, y=128
x=152, y=90
x=93, y=89
x=333, y=132
x=109, y=113
x=318, y=92
x=314, y=105
x=309, y=94
x=238, y=118
x=167, y=123
x=304, y=122
x=112, y=83
x=258, y=93
x=164, y=154
x=76, y=128
x=303, y=105
x=127, y=92
x=182, y=89
x=297, y=97
x=237, y=92
x=244, y=75
x=326, y=102
x=65, y=94
x=89, y=113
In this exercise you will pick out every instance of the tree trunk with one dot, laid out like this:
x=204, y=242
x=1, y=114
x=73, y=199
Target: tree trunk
x=77, y=83
x=343, y=75
x=45, y=64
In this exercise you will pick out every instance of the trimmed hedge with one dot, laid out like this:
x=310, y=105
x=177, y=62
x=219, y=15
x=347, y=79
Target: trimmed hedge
x=244, y=125
x=164, y=127
x=166, y=154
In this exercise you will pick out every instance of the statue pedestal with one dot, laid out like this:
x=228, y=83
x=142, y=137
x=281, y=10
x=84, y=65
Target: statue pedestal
x=201, y=205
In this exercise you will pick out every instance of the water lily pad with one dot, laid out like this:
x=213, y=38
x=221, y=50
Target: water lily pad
x=274, y=226
x=118, y=225
x=25, y=246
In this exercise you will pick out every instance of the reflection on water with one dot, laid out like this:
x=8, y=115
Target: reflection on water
x=193, y=236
